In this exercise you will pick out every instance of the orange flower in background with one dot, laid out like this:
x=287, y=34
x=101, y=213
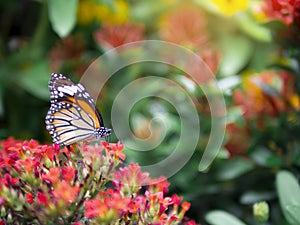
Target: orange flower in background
x=111, y=36
x=268, y=93
x=184, y=26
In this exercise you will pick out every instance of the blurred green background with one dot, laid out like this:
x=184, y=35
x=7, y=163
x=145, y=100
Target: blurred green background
x=251, y=46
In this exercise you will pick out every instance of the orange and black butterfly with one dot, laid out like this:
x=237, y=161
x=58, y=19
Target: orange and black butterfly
x=73, y=116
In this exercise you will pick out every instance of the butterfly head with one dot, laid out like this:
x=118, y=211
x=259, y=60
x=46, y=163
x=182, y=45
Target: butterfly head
x=102, y=132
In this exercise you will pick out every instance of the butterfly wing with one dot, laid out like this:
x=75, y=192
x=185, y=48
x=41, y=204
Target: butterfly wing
x=72, y=116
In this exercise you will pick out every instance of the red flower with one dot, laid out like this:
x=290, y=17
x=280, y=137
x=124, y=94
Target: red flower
x=176, y=199
x=94, y=207
x=65, y=191
x=185, y=206
x=111, y=36
x=107, y=205
x=130, y=178
x=238, y=141
x=29, y=198
x=29, y=164
x=191, y=222
x=77, y=223
x=52, y=176
x=159, y=184
x=70, y=49
x=8, y=180
x=68, y=174
x=262, y=94
x=280, y=9
x=185, y=26
x=115, y=149
x=42, y=198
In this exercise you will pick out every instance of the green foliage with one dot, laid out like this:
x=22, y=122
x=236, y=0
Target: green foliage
x=219, y=217
x=62, y=15
x=289, y=196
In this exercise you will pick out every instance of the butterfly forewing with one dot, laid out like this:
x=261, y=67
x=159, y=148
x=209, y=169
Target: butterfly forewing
x=73, y=116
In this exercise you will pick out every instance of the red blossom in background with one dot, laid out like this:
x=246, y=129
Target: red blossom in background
x=71, y=186
x=185, y=26
x=287, y=11
x=280, y=10
x=112, y=36
x=267, y=93
x=68, y=50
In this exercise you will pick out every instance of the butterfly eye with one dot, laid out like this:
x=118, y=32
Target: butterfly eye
x=73, y=116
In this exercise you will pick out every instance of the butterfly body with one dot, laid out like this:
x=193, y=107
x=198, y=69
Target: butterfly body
x=72, y=116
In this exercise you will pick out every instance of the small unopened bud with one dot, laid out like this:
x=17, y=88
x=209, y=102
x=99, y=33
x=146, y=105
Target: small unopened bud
x=261, y=211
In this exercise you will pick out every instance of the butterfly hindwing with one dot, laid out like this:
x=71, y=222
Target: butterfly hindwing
x=72, y=116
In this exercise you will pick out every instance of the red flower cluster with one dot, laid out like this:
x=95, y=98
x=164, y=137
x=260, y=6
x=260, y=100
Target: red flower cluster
x=264, y=95
x=44, y=184
x=112, y=36
x=288, y=11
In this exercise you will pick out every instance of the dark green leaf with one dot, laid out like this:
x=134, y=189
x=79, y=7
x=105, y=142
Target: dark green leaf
x=1, y=101
x=252, y=197
x=234, y=168
x=35, y=80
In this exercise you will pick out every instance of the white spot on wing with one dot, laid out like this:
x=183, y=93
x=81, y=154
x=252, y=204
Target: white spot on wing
x=66, y=90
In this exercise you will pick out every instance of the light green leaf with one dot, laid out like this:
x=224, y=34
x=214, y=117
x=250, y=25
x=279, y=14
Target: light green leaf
x=289, y=196
x=294, y=212
x=35, y=80
x=219, y=217
x=62, y=15
x=234, y=114
x=234, y=168
x=253, y=28
x=237, y=51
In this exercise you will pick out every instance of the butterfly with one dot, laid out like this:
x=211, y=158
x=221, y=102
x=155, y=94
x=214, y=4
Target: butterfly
x=73, y=116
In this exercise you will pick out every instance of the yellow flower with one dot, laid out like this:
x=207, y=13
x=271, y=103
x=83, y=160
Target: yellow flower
x=89, y=11
x=84, y=13
x=230, y=7
x=119, y=13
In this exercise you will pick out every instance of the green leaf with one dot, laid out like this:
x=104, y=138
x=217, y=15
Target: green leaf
x=252, y=197
x=62, y=15
x=294, y=212
x=219, y=217
x=265, y=157
x=253, y=28
x=289, y=196
x=234, y=168
x=234, y=114
x=237, y=51
x=1, y=101
x=35, y=80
